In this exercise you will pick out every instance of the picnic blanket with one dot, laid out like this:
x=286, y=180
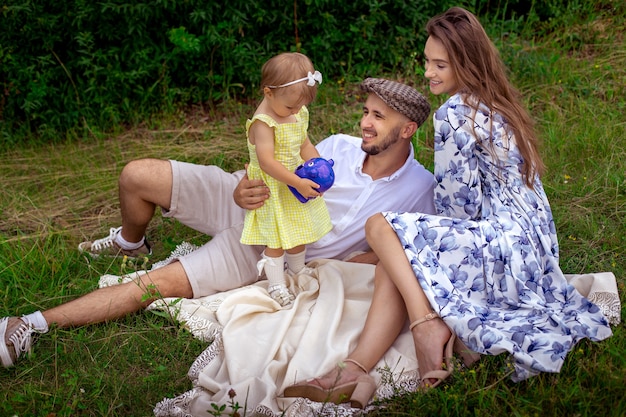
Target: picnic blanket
x=258, y=348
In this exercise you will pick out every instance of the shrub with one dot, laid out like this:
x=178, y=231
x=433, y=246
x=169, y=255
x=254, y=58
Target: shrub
x=101, y=64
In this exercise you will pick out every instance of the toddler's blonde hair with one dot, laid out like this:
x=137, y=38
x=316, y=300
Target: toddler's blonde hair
x=286, y=67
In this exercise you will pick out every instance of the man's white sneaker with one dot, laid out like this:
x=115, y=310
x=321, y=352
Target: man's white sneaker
x=108, y=247
x=16, y=338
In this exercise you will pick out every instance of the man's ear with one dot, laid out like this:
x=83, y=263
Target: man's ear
x=409, y=129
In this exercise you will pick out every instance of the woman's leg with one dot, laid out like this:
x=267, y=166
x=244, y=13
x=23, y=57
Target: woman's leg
x=430, y=336
x=383, y=324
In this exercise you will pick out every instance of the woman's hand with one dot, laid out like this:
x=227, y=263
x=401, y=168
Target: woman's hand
x=250, y=194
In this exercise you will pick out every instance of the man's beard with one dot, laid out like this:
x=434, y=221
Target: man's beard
x=388, y=141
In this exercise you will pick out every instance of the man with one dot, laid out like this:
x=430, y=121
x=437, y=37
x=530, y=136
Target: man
x=375, y=173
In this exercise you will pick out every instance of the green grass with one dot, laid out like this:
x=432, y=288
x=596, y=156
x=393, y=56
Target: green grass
x=573, y=78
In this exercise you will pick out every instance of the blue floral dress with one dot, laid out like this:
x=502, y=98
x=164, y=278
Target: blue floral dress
x=489, y=262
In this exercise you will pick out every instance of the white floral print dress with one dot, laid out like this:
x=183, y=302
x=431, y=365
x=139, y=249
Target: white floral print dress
x=489, y=262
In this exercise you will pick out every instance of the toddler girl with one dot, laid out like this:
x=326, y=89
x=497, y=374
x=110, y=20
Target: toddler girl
x=278, y=142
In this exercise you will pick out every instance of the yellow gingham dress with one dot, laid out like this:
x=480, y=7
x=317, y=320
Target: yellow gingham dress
x=283, y=221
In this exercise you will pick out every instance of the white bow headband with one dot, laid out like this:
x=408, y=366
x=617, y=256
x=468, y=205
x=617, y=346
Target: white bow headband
x=310, y=79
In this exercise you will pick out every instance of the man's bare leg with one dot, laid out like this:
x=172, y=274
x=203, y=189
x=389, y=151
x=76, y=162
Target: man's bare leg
x=119, y=300
x=100, y=305
x=144, y=184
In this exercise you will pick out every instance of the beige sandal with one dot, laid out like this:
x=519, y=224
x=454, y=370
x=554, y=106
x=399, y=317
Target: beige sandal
x=365, y=387
x=358, y=392
x=469, y=357
x=440, y=375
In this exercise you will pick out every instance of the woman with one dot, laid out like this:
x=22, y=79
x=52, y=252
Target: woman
x=485, y=270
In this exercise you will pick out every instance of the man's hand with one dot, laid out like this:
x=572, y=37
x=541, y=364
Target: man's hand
x=250, y=194
x=365, y=258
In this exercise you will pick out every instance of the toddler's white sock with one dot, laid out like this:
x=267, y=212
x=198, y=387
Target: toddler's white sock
x=295, y=261
x=274, y=269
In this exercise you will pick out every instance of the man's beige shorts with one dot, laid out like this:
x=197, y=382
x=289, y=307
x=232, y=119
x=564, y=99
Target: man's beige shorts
x=202, y=198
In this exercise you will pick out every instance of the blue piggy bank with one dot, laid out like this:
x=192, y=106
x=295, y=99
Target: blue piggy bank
x=318, y=170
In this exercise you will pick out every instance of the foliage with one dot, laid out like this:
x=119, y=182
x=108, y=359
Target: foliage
x=80, y=66
x=100, y=65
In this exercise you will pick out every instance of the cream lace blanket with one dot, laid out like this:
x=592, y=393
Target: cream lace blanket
x=258, y=349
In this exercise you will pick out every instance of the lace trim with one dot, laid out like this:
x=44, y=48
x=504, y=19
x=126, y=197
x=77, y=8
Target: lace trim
x=177, y=407
x=609, y=303
x=205, y=358
x=181, y=406
x=394, y=382
x=181, y=250
x=201, y=328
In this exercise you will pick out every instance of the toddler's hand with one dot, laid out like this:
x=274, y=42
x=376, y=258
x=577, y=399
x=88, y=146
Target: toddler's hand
x=307, y=188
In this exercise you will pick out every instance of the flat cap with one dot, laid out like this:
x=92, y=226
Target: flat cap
x=400, y=97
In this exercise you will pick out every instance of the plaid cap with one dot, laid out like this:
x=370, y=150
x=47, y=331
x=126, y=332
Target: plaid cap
x=400, y=97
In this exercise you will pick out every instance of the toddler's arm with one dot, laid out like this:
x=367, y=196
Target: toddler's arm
x=263, y=137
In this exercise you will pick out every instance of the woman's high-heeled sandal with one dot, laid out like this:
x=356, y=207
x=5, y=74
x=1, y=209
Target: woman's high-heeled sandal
x=427, y=317
x=358, y=392
x=364, y=389
x=314, y=392
x=439, y=374
x=469, y=357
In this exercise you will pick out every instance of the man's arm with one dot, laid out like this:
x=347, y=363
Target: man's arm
x=250, y=194
x=364, y=258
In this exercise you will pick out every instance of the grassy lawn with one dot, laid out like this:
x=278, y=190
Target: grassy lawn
x=573, y=79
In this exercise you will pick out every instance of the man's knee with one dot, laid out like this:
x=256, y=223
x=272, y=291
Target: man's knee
x=140, y=172
x=168, y=281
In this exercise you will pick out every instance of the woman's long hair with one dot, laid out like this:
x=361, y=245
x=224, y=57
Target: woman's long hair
x=481, y=73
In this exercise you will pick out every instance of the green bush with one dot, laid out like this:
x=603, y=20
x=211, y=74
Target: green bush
x=99, y=65
x=102, y=64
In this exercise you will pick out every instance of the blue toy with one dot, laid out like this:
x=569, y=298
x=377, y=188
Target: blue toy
x=318, y=170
